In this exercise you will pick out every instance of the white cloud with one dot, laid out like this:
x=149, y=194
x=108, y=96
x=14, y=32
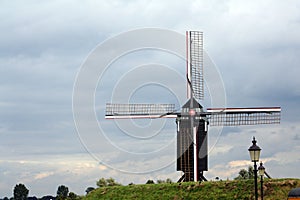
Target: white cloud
x=43, y=175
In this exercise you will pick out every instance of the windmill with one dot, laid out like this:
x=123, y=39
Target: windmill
x=192, y=121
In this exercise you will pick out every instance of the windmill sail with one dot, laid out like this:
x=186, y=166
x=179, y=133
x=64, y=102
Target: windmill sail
x=243, y=116
x=196, y=63
x=127, y=111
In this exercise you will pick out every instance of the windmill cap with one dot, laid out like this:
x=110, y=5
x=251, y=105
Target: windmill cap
x=195, y=104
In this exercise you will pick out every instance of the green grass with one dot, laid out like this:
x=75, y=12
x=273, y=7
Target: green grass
x=273, y=189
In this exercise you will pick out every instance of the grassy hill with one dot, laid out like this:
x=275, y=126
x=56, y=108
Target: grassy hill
x=273, y=189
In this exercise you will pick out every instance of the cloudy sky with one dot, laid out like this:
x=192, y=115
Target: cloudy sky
x=254, y=46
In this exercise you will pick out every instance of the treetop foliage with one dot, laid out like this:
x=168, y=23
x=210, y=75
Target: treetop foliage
x=245, y=174
x=20, y=192
x=102, y=182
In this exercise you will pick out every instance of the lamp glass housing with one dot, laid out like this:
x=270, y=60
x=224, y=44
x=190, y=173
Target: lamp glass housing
x=261, y=170
x=254, y=155
x=254, y=151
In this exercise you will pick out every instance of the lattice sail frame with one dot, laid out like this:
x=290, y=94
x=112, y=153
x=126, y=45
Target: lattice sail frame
x=127, y=111
x=243, y=116
x=195, y=63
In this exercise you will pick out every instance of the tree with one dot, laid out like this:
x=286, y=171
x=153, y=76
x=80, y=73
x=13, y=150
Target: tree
x=111, y=182
x=101, y=183
x=73, y=196
x=245, y=174
x=20, y=192
x=32, y=198
x=48, y=197
x=107, y=182
x=89, y=189
x=62, y=192
x=150, y=182
x=168, y=180
x=250, y=172
x=159, y=181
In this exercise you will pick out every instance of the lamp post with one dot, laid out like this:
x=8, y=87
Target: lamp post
x=261, y=172
x=254, y=151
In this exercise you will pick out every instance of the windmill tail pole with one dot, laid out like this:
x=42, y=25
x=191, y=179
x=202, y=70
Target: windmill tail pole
x=267, y=175
x=181, y=179
x=202, y=178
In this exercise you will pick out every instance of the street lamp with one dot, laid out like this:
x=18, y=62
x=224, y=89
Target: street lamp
x=254, y=151
x=261, y=172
